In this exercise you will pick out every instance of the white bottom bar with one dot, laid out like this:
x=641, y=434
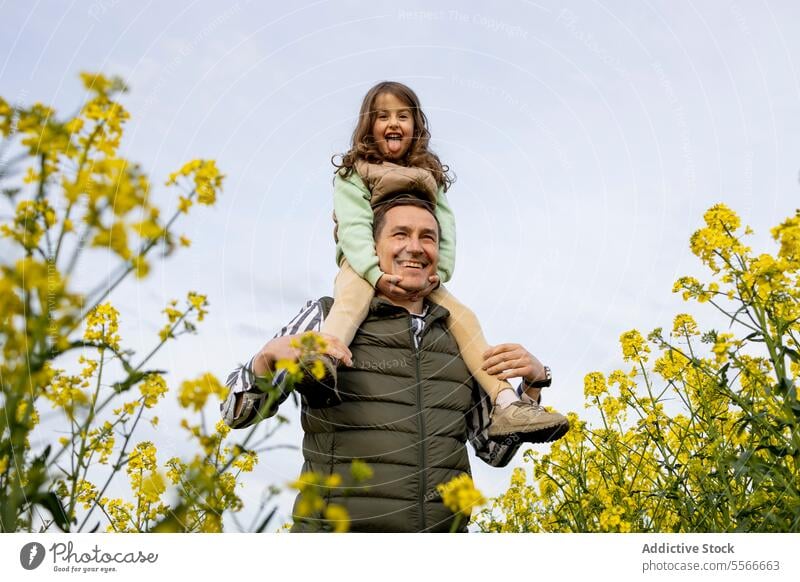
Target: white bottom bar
x=390, y=557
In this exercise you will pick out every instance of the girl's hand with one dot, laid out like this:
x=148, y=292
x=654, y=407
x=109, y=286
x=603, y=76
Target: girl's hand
x=389, y=285
x=433, y=283
x=392, y=287
x=336, y=349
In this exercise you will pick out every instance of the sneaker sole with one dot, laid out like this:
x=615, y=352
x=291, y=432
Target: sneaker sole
x=543, y=434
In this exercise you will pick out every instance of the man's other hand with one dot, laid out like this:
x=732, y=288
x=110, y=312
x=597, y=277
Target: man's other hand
x=512, y=361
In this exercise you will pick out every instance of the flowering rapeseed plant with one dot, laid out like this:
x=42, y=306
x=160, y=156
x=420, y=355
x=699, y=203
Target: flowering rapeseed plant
x=690, y=438
x=77, y=193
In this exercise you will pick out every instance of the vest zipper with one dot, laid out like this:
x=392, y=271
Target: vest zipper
x=422, y=430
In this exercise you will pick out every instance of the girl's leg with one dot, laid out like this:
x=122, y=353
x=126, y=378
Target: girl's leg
x=351, y=299
x=468, y=334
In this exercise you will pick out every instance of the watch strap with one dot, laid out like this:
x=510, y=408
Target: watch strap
x=543, y=383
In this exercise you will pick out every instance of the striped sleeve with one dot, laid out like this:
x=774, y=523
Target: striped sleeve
x=309, y=319
x=242, y=381
x=494, y=453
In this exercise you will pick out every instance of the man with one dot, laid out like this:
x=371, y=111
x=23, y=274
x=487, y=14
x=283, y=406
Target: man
x=404, y=401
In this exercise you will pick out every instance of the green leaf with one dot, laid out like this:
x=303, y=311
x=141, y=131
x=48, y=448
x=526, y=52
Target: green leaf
x=52, y=503
x=786, y=387
x=9, y=193
x=793, y=355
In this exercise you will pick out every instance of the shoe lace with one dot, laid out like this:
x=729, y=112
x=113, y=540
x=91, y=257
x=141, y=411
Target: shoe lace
x=531, y=402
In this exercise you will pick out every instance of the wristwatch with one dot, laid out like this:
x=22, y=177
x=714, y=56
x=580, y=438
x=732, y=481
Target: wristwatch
x=544, y=383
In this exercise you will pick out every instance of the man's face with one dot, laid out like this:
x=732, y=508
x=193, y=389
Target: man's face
x=408, y=245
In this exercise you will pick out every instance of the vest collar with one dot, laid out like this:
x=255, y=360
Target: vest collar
x=383, y=307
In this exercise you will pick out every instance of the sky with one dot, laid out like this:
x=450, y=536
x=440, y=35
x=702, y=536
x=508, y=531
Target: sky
x=587, y=139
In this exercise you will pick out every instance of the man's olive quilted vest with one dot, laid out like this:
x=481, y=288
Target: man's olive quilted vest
x=402, y=412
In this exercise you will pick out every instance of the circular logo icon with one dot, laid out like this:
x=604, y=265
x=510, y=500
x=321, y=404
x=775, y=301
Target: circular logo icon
x=31, y=555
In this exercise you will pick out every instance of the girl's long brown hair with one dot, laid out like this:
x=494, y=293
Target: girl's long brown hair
x=364, y=146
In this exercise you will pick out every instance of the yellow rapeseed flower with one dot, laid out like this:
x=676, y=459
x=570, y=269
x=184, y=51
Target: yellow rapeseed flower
x=292, y=367
x=718, y=239
x=172, y=314
x=206, y=177
x=684, y=325
x=594, y=384
x=101, y=440
x=722, y=346
x=153, y=388
x=114, y=238
x=460, y=495
x=337, y=516
x=634, y=348
x=333, y=481
x=86, y=493
x=360, y=471
x=671, y=365
x=67, y=392
x=176, y=471
x=121, y=513
x=184, y=204
x=612, y=408
x=195, y=393
x=142, y=458
x=141, y=268
x=547, y=487
x=318, y=369
x=306, y=480
x=89, y=368
x=152, y=487
x=246, y=461
x=788, y=235
x=627, y=387
x=222, y=428
x=102, y=326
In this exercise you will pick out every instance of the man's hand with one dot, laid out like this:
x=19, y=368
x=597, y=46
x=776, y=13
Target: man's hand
x=392, y=287
x=281, y=348
x=512, y=361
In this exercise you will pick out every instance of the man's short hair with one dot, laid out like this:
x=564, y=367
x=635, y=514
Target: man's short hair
x=403, y=199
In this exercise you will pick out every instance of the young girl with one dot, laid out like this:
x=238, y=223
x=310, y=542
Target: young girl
x=390, y=154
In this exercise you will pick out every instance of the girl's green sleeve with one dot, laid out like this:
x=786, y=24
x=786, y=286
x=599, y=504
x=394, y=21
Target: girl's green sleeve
x=447, y=243
x=354, y=218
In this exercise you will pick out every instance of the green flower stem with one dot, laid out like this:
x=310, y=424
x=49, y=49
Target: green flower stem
x=117, y=466
x=84, y=433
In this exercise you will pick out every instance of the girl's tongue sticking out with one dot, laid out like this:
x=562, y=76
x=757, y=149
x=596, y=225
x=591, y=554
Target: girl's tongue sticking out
x=394, y=143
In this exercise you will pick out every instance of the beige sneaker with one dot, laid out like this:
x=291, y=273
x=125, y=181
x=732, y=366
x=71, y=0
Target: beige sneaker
x=530, y=423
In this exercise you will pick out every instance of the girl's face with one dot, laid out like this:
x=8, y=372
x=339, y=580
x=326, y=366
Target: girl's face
x=393, y=128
